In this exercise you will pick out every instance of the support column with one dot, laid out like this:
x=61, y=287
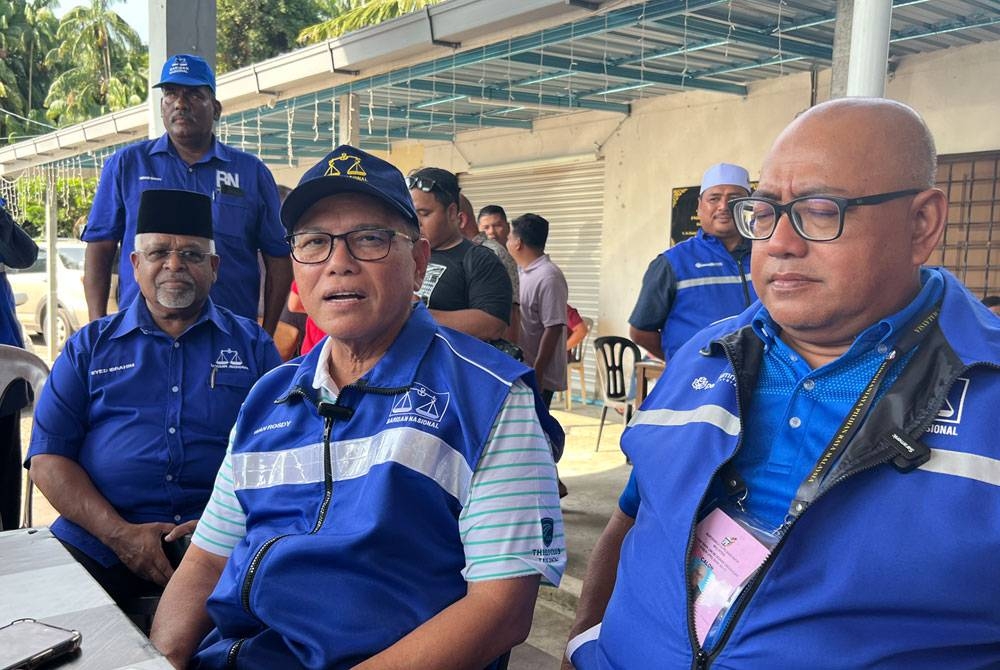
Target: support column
x=177, y=27
x=870, y=27
x=349, y=120
x=841, y=48
x=51, y=233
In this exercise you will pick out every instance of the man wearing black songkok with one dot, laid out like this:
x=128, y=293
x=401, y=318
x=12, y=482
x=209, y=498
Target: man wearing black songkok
x=133, y=423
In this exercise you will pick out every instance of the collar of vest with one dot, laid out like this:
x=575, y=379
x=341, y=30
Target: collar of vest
x=392, y=374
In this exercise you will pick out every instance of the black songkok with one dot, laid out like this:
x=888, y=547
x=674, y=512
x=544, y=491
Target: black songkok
x=175, y=212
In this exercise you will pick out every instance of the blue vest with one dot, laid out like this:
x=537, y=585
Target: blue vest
x=346, y=554
x=710, y=285
x=885, y=569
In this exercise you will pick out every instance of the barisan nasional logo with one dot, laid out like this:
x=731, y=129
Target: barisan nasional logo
x=346, y=165
x=229, y=359
x=702, y=383
x=421, y=405
x=949, y=417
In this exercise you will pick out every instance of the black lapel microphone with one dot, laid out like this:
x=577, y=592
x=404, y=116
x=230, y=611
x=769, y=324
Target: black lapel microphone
x=329, y=410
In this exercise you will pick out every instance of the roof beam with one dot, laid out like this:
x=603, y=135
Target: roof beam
x=505, y=95
x=632, y=75
x=736, y=34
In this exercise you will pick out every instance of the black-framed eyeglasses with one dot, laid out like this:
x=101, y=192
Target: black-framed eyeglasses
x=186, y=256
x=366, y=244
x=817, y=218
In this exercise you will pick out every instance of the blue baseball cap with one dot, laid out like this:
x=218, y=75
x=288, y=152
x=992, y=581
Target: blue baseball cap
x=347, y=169
x=187, y=70
x=725, y=174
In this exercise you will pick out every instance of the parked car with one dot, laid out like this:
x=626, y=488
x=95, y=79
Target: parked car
x=33, y=282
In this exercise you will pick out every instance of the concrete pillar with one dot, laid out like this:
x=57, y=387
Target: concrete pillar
x=841, y=48
x=177, y=27
x=349, y=120
x=51, y=263
x=870, y=26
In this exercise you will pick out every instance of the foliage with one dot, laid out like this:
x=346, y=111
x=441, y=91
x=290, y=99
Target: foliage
x=27, y=33
x=348, y=15
x=102, y=65
x=74, y=196
x=253, y=30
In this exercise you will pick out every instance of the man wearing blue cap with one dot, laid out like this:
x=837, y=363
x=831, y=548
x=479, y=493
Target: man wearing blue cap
x=189, y=156
x=131, y=427
x=389, y=499
x=700, y=280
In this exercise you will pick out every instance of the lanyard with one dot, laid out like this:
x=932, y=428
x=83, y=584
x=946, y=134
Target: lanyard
x=810, y=487
x=807, y=492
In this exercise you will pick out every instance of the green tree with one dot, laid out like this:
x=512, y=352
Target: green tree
x=102, y=64
x=27, y=32
x=343, y=16
x=253, y=30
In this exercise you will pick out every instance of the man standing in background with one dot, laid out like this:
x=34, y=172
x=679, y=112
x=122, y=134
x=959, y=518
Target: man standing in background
x=189, y=157
x=702, y=279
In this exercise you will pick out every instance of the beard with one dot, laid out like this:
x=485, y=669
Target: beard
x=176, y=298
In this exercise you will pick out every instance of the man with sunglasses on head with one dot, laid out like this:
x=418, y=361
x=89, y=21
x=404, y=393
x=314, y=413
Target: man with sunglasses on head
x=131, y=426
x=818, y=476
x=389, y=499
x=466, y=286
x=188, y=156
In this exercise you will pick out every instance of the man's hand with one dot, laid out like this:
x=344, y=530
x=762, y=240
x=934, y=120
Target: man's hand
x=140, y=548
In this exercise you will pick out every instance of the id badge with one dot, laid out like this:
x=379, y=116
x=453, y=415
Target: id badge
x=728, y=549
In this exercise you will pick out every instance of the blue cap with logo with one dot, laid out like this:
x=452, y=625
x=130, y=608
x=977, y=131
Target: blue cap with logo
x=347, y=169
x=725, y=174
x=187, y=70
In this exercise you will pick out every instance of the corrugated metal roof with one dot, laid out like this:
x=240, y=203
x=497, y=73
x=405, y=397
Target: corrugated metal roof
x=603, y=60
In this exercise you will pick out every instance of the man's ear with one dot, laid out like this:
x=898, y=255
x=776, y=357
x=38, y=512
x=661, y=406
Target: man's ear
x=134, y=257
x=217, y=106
x=421, y=257
x=216, y=261
x=929, y=214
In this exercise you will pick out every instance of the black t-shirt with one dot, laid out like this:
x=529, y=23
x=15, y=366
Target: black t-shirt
x=467, y=276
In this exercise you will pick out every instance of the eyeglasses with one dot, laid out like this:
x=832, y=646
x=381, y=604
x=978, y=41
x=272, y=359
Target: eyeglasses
x=368, y=244
x=815, y=218
x=186, y=256
x=425, y=184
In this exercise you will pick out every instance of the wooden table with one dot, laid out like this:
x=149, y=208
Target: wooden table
x=39, y=579
x=645, y=372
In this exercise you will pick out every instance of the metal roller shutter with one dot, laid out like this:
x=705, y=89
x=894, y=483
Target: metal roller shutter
x=571, y=197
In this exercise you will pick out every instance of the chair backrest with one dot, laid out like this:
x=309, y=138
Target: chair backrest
x=611, y=357
x=577, y=352
x=16, y=363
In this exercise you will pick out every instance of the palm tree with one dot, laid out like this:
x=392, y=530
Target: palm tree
x=348, y=15
x=36, y=35
x=103, y=64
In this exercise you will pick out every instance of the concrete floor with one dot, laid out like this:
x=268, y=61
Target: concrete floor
x=594, y=479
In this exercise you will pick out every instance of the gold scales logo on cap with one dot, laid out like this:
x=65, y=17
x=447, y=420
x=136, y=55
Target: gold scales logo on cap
x=351, y=163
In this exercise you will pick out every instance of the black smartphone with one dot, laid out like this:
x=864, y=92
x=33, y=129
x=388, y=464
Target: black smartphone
x=26, y=643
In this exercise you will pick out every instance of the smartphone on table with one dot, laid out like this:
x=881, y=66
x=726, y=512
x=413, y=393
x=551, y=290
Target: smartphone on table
x=27, y=643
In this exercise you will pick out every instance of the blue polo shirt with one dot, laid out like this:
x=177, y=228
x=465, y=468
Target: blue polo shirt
x=145, y=415
x=796, y=410
x=244, y=210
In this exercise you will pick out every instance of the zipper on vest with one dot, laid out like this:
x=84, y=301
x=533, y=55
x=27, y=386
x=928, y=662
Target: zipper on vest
x=324, y=506
x=234, y=652
x=252, y=570
x=702, y=659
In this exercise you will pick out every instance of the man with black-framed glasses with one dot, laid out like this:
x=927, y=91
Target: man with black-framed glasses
x=817, y=475
x=131, y=427
x=389, y=499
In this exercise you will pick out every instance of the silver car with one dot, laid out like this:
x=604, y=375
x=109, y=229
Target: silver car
x=33, y=282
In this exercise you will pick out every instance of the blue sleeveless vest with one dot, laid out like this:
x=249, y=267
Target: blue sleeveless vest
x=346, y=554
x=711, y=285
